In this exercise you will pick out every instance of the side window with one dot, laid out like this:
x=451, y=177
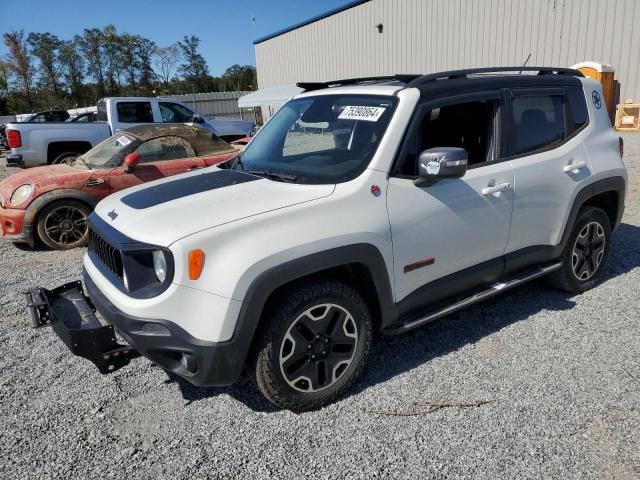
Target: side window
x=164, y=148
x=134, y=112
x=175, y=113
x=40, y=118
x=578, y=113
x=538, y=122
x=468, y=125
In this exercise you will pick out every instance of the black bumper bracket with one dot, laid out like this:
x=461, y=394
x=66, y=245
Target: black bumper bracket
x=72, y=316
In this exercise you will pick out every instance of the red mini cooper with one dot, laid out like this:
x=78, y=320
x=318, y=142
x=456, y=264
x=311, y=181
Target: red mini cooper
x=52, y=203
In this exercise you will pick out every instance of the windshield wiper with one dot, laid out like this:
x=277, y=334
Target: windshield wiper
x=278, y=176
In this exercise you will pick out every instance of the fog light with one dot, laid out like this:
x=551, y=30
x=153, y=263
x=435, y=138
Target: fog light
x=189, y=362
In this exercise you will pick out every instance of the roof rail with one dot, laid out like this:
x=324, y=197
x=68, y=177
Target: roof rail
x=309, y=86
x=451, y=74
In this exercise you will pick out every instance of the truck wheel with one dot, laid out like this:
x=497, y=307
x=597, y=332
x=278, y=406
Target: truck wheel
x=586, y=251
x=64, y=225
x=316, y=344
x=66, y=158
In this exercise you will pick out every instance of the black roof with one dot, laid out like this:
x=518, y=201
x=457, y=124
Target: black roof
x=489, y=77
x=203, y=141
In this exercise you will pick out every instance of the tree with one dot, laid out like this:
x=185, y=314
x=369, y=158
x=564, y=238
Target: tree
x=129, y=58
x=166, y=60
x=112, y=47
x=144, y=52
x=194, y=68
x=18, y=62
x=72, y=66
x=91, y=44
x=239, y=77
x=44, y=46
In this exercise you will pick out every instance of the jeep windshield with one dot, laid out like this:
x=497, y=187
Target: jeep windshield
x=108, y=154
x=321, y=139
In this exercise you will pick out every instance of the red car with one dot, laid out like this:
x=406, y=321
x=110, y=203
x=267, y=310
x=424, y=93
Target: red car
x=52, y=203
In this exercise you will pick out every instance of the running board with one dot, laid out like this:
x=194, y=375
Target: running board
x=493, y=290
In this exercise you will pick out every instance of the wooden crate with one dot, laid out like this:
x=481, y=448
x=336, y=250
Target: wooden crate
x=628, y=117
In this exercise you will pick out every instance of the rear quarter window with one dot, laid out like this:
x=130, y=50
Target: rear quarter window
x=577, y=110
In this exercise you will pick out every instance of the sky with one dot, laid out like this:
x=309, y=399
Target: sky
x=224, y=27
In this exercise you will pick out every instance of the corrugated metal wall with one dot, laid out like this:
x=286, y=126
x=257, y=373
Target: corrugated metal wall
x=421, y=36
x=217, y=104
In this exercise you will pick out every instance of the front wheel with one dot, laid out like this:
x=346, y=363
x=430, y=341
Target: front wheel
x=316, y=345
x=63, y=225
x=585, y=253
x=66, y=158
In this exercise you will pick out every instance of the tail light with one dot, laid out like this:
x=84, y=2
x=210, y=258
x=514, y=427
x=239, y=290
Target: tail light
x=14, y=139
x=621, y=146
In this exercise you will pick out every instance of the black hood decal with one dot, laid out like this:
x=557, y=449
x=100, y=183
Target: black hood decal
x=183, y=187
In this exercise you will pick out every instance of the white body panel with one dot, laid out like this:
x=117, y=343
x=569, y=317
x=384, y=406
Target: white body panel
x=451, y=221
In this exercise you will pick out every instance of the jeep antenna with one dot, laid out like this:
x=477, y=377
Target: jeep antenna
x=525, y=63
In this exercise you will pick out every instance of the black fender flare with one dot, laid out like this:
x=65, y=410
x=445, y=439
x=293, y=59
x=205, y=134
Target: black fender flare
x=611, y=184
x=34, y=208
x=267, y=282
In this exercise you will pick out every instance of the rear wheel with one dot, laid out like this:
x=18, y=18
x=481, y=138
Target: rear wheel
x=586, y=251
x=64, y=225
x=316, y=345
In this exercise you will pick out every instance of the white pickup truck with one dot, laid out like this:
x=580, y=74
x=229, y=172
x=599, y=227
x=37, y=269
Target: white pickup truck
x=35, y=144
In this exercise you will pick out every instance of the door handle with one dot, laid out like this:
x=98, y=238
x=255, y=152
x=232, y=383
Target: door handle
x=489, y=190
x=574, y=167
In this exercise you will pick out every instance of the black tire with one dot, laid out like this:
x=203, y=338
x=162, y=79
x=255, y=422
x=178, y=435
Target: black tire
x=333, y=304
x=71, y=219
x=586, y=252
x=67, y=158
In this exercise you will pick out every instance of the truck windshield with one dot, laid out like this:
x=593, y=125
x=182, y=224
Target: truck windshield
x=108, y=154
x=321, y=139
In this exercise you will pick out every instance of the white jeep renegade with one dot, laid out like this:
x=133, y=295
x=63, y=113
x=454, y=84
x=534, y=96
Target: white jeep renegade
x=362, y=206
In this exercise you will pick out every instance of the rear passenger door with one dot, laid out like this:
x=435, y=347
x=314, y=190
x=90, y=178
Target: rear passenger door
x=132, y=113
x=545, y=126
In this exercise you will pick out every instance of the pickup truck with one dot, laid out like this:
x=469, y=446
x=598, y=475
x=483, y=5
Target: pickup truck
x=58, y=142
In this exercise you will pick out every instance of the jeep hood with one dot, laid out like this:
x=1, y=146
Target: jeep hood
x=167, y=210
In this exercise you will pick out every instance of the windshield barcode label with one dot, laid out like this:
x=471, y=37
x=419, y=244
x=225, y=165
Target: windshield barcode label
x=369, y=114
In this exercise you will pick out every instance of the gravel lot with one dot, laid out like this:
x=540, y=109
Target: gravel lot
x=562, y=374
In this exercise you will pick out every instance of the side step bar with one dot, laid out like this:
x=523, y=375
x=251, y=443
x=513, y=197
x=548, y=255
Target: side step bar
x=493, y=290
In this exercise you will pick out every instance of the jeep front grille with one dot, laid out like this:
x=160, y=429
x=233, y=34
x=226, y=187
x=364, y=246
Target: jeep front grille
x=107, y=254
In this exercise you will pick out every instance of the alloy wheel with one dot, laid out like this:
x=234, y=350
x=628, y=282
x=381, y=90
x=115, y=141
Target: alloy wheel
x=588, y=251
x=66, y=225
x=318, y=348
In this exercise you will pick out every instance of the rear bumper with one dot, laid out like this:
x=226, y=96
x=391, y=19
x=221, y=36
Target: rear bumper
x=200, y=362
x=15, y=160
x=13, y=227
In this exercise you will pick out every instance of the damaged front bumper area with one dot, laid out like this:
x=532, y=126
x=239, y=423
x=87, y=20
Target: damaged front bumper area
x=73, y=317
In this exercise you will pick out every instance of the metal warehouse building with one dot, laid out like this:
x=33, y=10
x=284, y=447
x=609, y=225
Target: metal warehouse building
x=379, y=37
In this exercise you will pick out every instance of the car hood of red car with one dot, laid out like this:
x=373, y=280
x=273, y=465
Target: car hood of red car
x=44, y=179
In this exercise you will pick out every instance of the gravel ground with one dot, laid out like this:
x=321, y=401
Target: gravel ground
x=561, y=372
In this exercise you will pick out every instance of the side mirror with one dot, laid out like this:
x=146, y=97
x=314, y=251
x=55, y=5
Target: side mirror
x=130, y=162
x=441, y=162
x=197, y=118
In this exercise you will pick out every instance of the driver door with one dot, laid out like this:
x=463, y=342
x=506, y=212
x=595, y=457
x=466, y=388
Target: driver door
x=159, y=158
x=450, y=236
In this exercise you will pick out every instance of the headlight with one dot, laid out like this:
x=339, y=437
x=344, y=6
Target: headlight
x=21, y=195
x=160, y=265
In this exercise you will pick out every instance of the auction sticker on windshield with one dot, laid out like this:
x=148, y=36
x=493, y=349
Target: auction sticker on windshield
x=359, y=112
x=123, y=141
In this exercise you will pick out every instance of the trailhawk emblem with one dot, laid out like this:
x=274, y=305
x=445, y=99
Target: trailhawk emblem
x=112, y=215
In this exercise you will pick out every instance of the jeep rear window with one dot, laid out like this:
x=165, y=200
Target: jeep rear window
x=320, y=139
